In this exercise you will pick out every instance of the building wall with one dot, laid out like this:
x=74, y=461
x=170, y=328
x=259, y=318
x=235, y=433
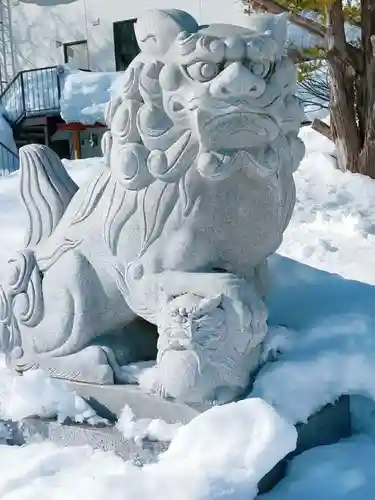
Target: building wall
x=39, y=31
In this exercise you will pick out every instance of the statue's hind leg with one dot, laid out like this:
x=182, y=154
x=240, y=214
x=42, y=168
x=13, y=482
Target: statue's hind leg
x=74, y=314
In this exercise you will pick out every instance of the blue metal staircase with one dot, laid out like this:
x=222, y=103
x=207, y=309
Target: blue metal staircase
x=32, y=93
x=31, y=105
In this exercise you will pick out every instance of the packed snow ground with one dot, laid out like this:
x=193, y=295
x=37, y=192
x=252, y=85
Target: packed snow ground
x=324, y=348
x=333, y=226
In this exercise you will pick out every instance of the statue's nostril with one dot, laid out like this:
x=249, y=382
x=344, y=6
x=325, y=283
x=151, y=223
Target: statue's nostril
x=177, y=106
x=253, y=88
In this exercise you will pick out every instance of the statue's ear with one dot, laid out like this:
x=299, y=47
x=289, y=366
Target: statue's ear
x=157, y=29
x=275, y=25
x=280, y=31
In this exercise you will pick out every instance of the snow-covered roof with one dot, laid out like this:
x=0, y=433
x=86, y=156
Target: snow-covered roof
x=84, y=95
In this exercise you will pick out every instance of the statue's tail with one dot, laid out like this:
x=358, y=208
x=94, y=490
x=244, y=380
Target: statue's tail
x=46, y=190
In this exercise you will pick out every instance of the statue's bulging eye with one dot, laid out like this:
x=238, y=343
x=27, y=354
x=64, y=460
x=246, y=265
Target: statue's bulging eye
x=203, y=71
x=263, y=69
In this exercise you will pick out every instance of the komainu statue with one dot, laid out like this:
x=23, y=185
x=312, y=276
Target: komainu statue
x=163, y=254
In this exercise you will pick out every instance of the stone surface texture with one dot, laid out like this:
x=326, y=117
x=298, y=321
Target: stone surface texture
x=196, y=194
x=106, y=438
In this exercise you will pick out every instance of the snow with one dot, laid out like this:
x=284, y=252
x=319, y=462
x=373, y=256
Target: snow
x=36, y=394
x=253, y=438
x=327, y=345
x=84, y=96
x=327, y=342
x=145, y=428
x=340, y=471
x=333, y=226
x=197, y=466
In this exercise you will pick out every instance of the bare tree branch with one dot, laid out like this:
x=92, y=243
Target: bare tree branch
x=314, y=91
x=322, y=128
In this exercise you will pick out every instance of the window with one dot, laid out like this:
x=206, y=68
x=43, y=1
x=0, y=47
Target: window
x=76, y=54
x=126, y=46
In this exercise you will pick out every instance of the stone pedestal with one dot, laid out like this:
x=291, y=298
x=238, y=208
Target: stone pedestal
x=328, y=426
x=109, y=400
x=106, y=438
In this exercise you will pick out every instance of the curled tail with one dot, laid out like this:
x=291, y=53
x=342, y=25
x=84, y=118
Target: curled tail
x=46, y=190
x=21, y=302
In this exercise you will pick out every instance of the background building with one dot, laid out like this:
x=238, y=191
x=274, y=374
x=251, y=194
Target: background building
x=95, y=34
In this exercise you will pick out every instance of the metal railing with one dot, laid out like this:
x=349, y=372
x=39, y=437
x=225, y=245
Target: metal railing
x=9, y=161
x=33, y=92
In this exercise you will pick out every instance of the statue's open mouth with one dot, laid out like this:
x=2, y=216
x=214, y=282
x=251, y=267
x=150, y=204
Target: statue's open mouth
x=236, y=130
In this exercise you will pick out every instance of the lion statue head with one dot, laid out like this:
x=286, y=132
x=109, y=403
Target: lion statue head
x=222, y=96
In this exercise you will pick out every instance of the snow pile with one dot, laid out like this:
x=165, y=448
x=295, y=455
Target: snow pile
x=234, y=445
x=145, y=428
x=36, y=394
x=342, y=471
x=327, y=346
x=84, y=96
x=333, y=225
x=197, y=466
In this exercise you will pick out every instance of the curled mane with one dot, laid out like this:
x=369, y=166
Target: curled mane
x=149, y=154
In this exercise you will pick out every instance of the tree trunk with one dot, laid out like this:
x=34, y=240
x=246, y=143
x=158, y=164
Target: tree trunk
x=352, y=86
x=366, y=160
x=343, y=106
